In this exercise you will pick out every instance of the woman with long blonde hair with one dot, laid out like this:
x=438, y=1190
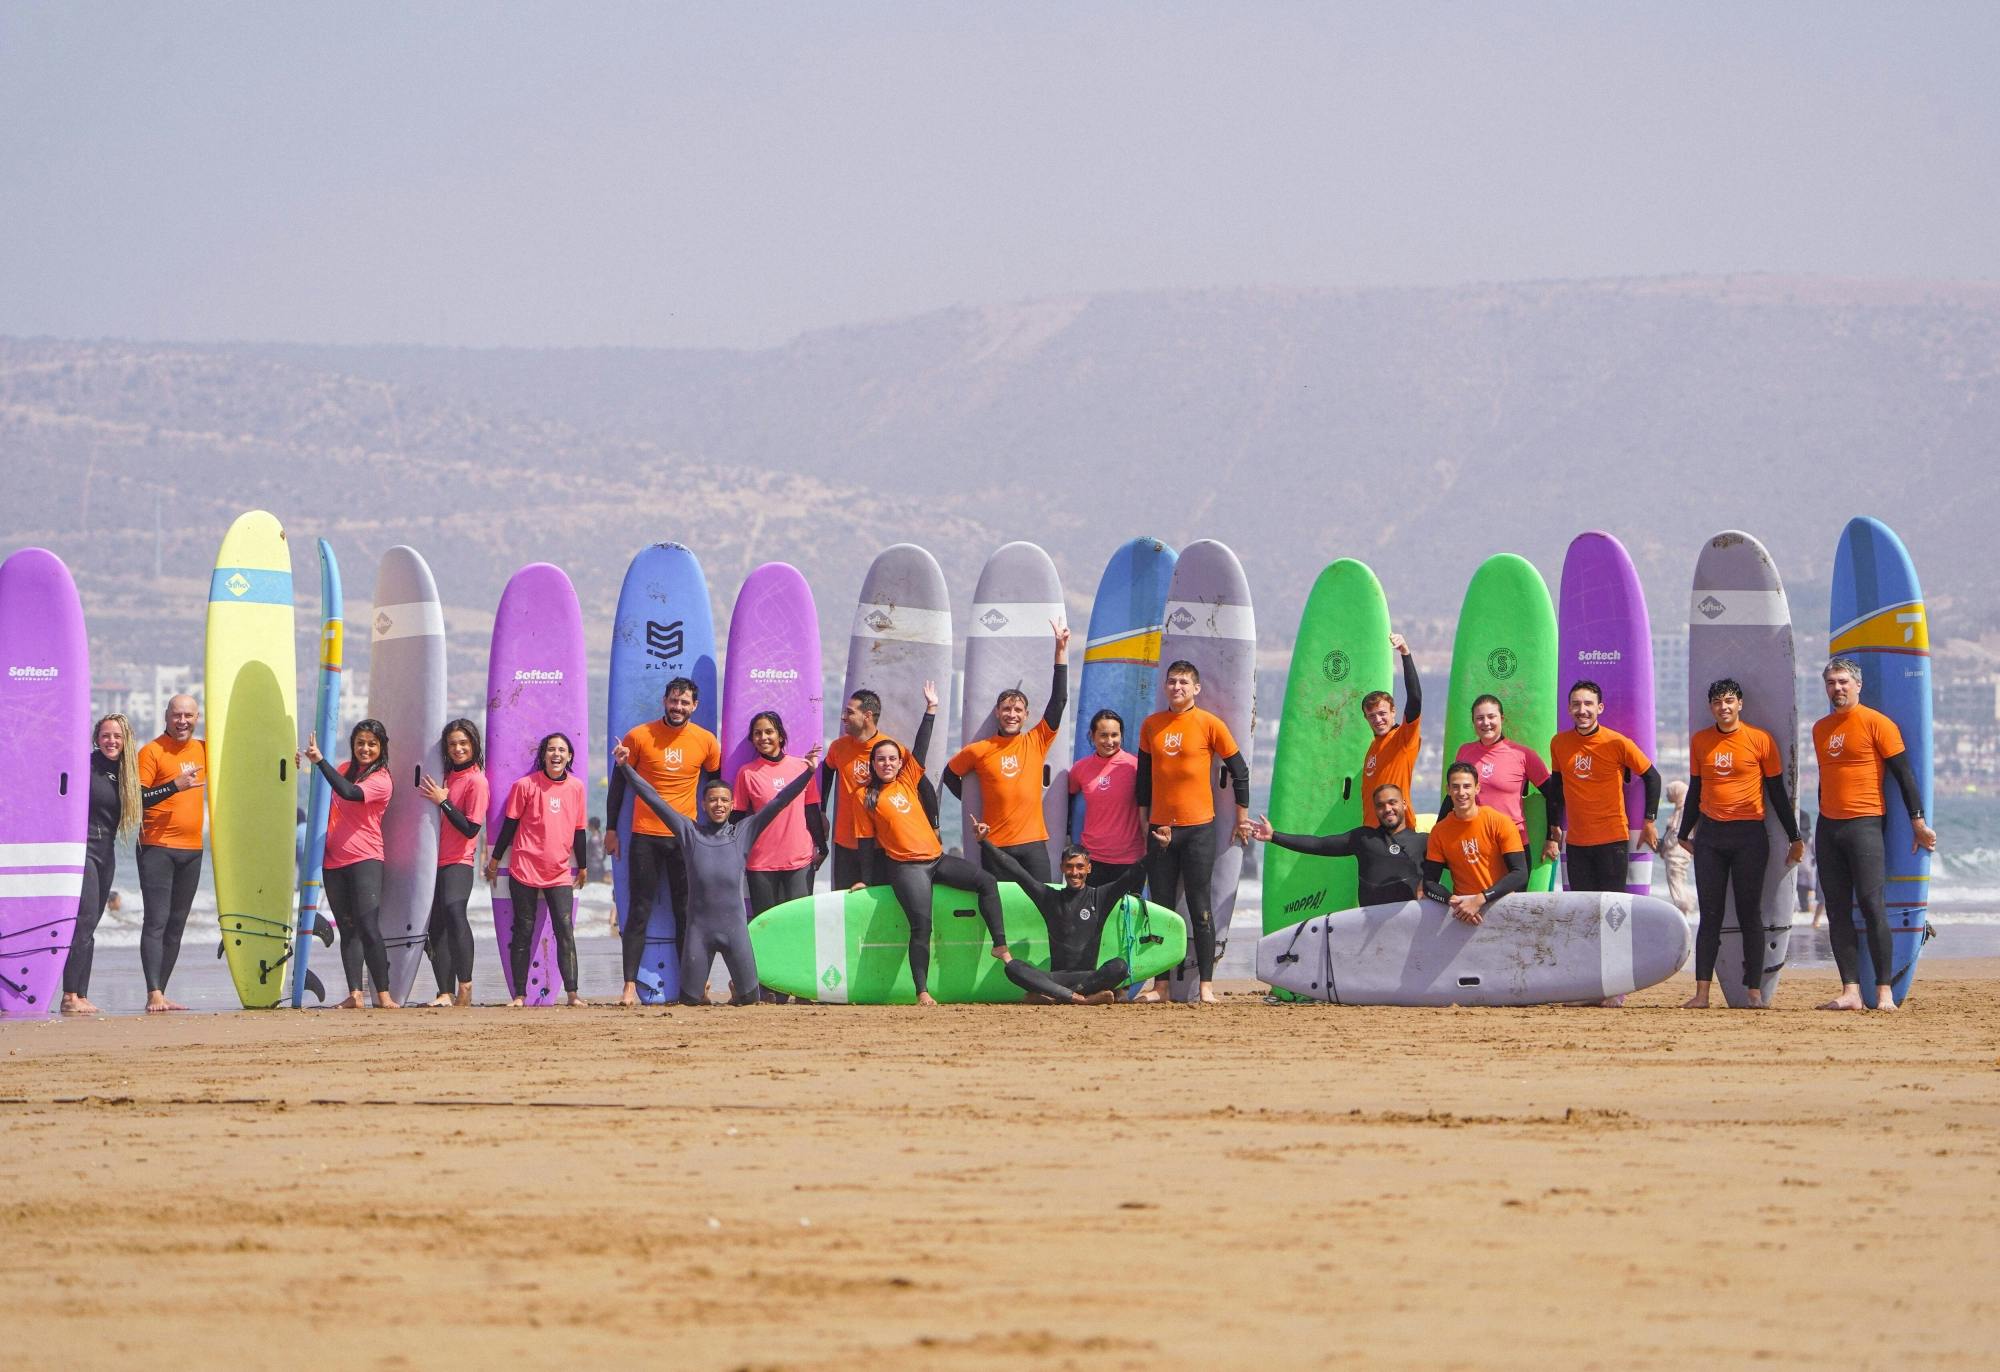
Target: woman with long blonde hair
x=114, y=814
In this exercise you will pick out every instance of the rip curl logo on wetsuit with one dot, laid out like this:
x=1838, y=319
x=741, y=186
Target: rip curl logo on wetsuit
x=1181, y=619
x=1010, y=766
x=665, y=641
x=1170, y=744
x=1502, y=663
x=994, y=621
x=1710, y=607
x=1335, y=665
x=34, y=673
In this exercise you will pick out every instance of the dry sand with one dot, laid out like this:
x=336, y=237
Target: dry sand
x=982, y=1187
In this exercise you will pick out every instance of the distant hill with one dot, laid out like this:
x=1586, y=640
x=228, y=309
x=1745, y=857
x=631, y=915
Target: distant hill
x=1420, y=430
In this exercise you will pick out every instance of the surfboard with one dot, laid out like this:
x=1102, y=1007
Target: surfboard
x=319, y=796
x=1009, y=645
x=253, y=735
x=1535, y=948
x=535, y=686
x=1121, y=655
x=1878, y=618
x=664, y=628
x=406, y=691
x=853, y=947
x=1210, y=622
x=773, y=664
x=1506, y=647
x=45, y=747
x=902, y=638
x=1740, y=626
x=1603, y=635
x=1341, y=655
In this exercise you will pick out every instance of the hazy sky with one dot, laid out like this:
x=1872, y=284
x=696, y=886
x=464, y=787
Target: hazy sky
x=734, y=173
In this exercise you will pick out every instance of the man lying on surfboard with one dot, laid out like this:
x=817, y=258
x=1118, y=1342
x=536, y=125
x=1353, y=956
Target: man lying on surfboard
x=1075, y=914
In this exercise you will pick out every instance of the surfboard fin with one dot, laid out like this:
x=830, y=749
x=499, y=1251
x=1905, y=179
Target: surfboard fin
x=314, y=985
x=219, y=945
x=323, y=930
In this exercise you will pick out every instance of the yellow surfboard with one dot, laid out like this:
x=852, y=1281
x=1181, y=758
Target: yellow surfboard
x=253, y=734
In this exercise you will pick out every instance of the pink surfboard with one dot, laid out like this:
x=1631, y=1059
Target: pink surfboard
x=773, y=664
x=1603, y=635
x=535, y=686
x=45, y=755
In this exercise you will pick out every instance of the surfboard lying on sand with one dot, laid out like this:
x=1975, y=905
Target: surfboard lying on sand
x=1535, y=948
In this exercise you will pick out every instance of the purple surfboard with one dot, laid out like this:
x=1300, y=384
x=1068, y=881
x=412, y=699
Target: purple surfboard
x=535, y=686
x=773, y=664
x=1603, y=635
x=45, y=751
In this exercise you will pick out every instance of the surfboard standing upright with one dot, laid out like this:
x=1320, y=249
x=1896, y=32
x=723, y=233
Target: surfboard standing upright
x=1603, y=634
x=1121, y=655
x=772, y=664
x=1341, y=656
x=902, y=638
x=664, y=628
x=45, y=751
x=535, y=686
x=406, y=687
x=319, y=795
x=1880, y=621
x=1210, y=623
x=253, y=736
x=1506, y=647
x=1009, y=645
x=1740, y=626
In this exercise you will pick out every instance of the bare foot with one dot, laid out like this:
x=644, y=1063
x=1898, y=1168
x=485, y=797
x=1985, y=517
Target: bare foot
x=576, y=1002
x=440, y=1001
x=1612, y=1003
x=926, y=998
x=517, y=1003
x=1153, y=995
x=1753, y=998
x=78, y=1005
x=1208, y=996
x=1037, y=998
x=1697, y=1001
x=1848, y=999
x=385, y=1001
x=352, y=1002
x=630, y=995
x=157, y=1003
x=1098, y=998
x=1885, y=998
x=463, y=1000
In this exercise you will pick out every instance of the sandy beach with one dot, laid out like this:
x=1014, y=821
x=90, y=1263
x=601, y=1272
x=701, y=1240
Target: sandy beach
x=983, y=1187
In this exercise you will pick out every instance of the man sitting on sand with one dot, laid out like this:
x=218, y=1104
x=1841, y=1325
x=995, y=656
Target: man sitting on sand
x=1074, y=913
x=1481, y=846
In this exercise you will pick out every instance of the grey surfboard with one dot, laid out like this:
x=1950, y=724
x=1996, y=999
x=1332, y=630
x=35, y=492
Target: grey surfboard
x=1209, y=622
x=406, y=691
x=901, y=639
x=1535, y=948
x=1740, y=625
x=1010, y=646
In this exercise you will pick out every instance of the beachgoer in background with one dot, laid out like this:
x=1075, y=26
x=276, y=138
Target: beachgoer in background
x=593, y=851
x=1480, y=846
x=1009, y=766
x=1388, y=853
x=1807, y=875
x=1738, y=771
x=353, y=873
x=1112, y=837
x=1179, y=748
x=173, y=769
x=114, y=812
x=677, y=757
x=461, y=800
x=543, y=836
x=1856, y=745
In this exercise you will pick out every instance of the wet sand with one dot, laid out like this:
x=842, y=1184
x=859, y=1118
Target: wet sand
x=987, y=1187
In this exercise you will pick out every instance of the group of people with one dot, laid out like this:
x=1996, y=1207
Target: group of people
x=729, y=850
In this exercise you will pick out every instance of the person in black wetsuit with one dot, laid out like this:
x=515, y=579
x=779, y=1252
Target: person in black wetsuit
x=114, y=813
x=1389, y=853
x=1074, y=913
x=717, y=850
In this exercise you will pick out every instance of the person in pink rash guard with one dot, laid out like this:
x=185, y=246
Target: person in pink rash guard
x=353, y=874
x=459, y=797
x=1506, y=769
x=544, y=833
x=1107, y=780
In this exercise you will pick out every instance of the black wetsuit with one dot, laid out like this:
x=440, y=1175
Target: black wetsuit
x=648, y=859
x=354, y=894
x=450, y=931
x=1853, y=862
x=1391, y=861
x=527, y=900
x=716, y=857
x=1033, y=856
x=1075, y=918
x=168, y=881
x=1184, y=866
x=100, y=865
x=1733, y=855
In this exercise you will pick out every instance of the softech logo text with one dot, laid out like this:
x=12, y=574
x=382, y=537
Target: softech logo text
x=34, y=673
x=537, y=675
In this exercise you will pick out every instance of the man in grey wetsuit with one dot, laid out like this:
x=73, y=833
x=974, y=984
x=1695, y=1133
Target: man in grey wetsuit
x=1075, y=914
x=716, y=849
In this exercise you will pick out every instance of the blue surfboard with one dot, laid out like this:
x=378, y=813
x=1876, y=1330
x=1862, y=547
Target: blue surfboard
x=1878, y=619
x=326, y=724
x=1121, y=655
x=664, y=629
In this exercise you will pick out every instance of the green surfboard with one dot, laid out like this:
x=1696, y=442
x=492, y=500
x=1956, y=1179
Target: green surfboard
x=1342, y=654
x=853, y=947
x=1506, y=647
